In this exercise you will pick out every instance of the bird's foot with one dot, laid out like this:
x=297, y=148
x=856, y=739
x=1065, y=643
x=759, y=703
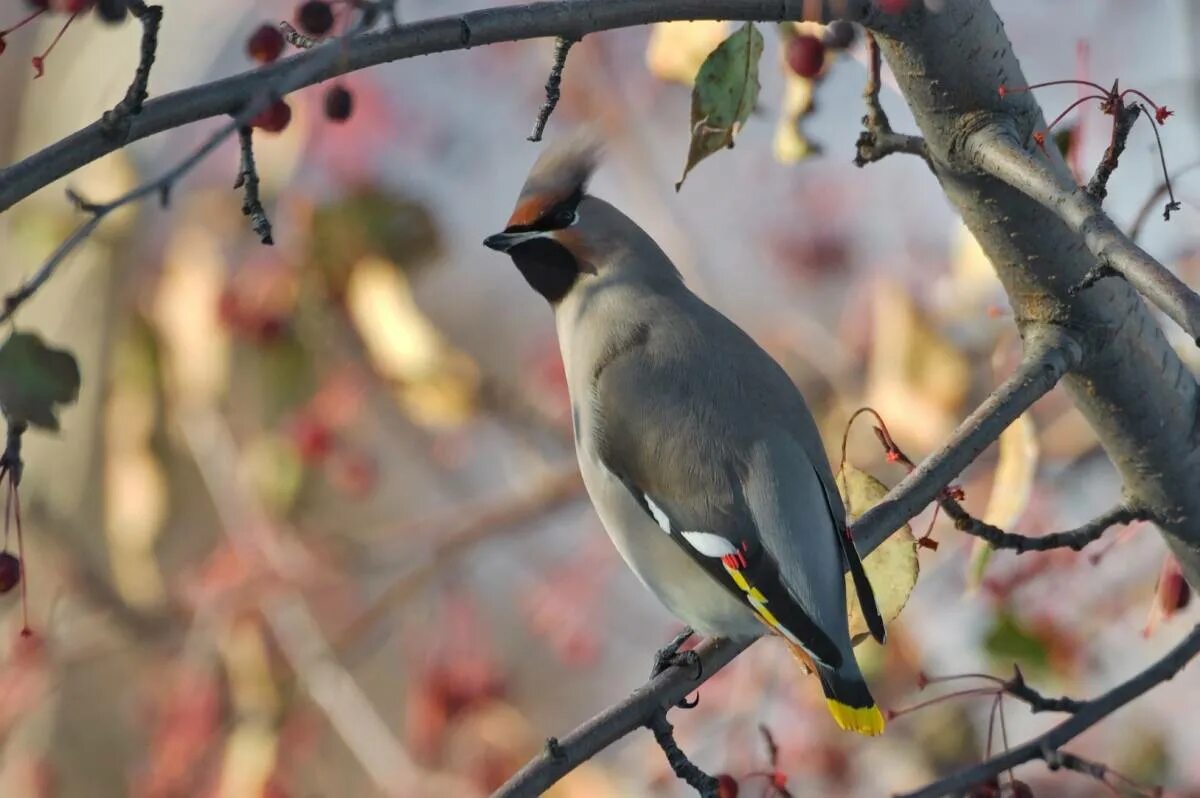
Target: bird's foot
x=670, y=655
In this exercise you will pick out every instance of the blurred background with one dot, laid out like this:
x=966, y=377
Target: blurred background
x=314, y=527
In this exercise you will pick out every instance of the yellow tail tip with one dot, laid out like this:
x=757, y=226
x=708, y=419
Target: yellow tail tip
x=862, y=720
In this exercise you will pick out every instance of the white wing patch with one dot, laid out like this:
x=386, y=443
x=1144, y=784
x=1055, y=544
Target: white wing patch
x=658, y=514
x=708, y=544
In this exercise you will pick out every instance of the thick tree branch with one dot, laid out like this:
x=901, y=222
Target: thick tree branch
x=1086, y=715
x=998, y=153
x=1051, y=354
x=1074, y=539
x=441, y=34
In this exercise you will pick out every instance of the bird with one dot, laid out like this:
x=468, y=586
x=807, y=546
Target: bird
x=697, y=450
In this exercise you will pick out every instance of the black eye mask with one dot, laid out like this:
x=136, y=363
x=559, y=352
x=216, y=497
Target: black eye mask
x=559, y=215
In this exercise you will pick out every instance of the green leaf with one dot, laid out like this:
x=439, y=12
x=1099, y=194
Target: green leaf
x=372, y=221
x=1009, y=639
x=725, y=92
x=34, y=379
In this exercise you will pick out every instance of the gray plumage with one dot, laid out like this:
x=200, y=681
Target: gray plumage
x=695, y=446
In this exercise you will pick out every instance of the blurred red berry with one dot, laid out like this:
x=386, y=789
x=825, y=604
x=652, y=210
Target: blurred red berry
x=38, y=5
x=727, y=786
x=273, y=119
x=10, y=571
x=73, y=6
x=893, y=6
x=339, y=103
x=805, y=55
x=315, y=17
x=265, y=44
x=312, y=438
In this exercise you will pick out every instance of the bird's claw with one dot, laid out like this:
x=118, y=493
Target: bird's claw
x=670, y=655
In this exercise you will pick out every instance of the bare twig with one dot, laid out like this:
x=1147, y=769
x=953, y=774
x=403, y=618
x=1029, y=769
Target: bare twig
x=1125, y=116
x=247, y=180
x=1017, y=688
x=1074, y=539
x=562, y=46
x=877, y=139
x=1156, y=196
x=681, y=766
x=1051, y=354
x=116, y=123
x=997, y=152
x=1086, y=715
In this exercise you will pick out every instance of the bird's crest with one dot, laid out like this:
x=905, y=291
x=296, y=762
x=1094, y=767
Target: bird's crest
x=561, y=172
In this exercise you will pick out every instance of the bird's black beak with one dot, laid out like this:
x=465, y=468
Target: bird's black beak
x=501, y=242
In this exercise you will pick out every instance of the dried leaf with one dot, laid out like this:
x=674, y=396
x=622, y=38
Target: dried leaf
x=725, y=93
x=892, y=568
x=1011, y=488
x=35, y=379
x=678, y=49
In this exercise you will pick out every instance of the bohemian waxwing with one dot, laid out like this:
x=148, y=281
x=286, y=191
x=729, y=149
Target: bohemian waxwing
x=700, y=455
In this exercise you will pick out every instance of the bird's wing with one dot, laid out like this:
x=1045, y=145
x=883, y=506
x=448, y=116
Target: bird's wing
x=690, y=474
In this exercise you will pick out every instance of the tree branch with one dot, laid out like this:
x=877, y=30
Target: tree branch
x=441, y=34
x=1074, y=539
x=681, y=766
x=1051, y=354
x=1086, y=715
x=998, y=153
x=1126, y=115
x=247, y=180
x=115, y=124
x=878, y=140
x=562, y=46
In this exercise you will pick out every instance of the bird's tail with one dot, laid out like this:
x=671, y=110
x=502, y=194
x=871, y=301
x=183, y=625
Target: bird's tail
x=850, y=701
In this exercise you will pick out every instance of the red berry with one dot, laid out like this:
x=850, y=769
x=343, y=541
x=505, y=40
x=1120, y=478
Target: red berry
x=893, y=6
x=265, y=44
x=73, y=6
x=273, y=119
x=315, y=17
x=727, y=786
x=10, y=571
x=805, y=55
x=339, y=103
x=312, y=439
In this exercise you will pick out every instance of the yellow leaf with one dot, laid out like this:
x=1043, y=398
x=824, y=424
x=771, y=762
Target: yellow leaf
x=677, y=49
x=790, y=144
x=892, y=568
x=1011, y=489
x=436, y=383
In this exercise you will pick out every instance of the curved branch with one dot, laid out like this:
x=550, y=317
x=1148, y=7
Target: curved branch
x=441, y=34
x=1074, y=539
x=1086, y=715
x=999, y=154
x=1051, y=354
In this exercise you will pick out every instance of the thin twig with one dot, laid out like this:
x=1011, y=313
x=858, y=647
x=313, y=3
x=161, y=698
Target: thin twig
x=998, y=153
x=116, y=123
x=681, y=766
x=247, y=180
x=1126, y=115
x=1086, y=715
x=1074, y=539
x=877, y=139
x=1017, y=688
x=1160, y=191
x=562, y=46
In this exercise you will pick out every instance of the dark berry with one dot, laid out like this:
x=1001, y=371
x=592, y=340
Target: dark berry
x=3, y=45
x=10, y=571
x=38, y=5
x=727, y=786
x=805, y=55
x=265, y=44
x=274, y=119
x=339, y=103
x=839, y=35
x=112, y=11
x=315, y=17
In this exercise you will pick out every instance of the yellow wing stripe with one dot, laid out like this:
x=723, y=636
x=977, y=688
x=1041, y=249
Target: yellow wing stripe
x=759, y=602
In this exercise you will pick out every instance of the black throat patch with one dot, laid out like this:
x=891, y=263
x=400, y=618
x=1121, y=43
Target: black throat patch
x=548, y=267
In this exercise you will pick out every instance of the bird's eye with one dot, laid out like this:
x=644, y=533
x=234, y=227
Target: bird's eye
x=564, y=217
